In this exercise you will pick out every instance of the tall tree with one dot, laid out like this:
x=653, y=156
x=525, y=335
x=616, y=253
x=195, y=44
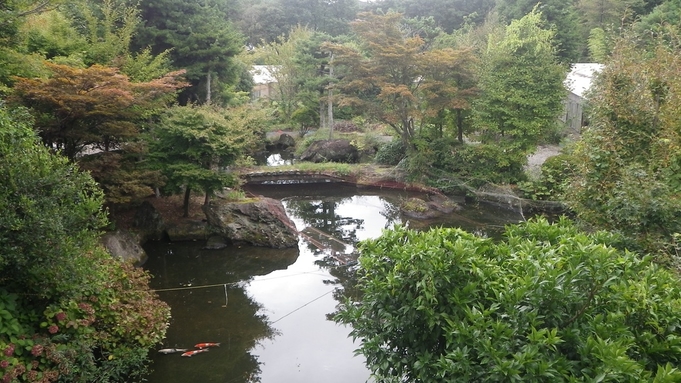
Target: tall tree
x=331, y=17
x=608, y=13
x=452, y=88
x=201, y=40
x=12, y=12
x=449, y=15
x=668, y=12
x=107, y=26
x=521, y=86
x=281, y=55
x=52, y=35
x=569, y=36
x=96, y=106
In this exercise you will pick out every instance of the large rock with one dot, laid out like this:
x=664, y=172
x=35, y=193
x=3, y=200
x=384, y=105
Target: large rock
x=260, y=222
x=286, y=141
x=437, y=206
x=331, y=151
x=125, y=245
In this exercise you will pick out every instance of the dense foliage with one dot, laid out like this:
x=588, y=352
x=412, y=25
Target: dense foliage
x=200, y=39
x=391, y=77
x=193, y=146
x=521, y=86
x=70, y=312
x=96, y=107
x=548, y=303
x=628, y=159
x=469, y=89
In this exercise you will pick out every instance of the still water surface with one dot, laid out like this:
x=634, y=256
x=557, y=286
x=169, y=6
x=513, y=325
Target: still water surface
x=270, y=308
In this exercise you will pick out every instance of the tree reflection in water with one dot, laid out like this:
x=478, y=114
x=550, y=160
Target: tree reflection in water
x=333, y=235
x=221, y=312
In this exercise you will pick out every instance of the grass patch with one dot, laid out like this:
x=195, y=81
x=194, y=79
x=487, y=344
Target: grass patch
x=335, y=168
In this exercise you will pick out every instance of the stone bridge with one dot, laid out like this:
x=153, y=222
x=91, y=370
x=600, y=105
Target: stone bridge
x=264, y=177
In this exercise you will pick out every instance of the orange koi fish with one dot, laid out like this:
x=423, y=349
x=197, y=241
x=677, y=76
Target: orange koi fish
x=206, y=345
x=194, y=352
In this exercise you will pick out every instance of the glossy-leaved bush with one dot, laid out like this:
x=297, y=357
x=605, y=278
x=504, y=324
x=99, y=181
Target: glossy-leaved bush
x=69, y=311
x=548, y=303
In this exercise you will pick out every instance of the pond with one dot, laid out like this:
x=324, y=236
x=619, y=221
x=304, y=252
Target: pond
x=270, y=309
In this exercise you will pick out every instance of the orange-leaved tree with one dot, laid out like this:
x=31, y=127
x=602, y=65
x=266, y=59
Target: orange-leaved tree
x=394, y=77
x=95, y=107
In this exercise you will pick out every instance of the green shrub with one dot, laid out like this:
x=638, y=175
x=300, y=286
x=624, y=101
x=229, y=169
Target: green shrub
x=69, y=312
x=481, y=164
x=391, y=153
x=547, y=304
x=556, y=172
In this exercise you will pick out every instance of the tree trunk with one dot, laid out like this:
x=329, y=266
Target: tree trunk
x=208, y=90
x=185, y=207
x=322, y=115
x=206, y=199
x=459, y=124
x=329, y=119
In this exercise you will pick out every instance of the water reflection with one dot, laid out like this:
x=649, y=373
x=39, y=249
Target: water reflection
x=275, y=158
x=270, y=308
x=210, y=301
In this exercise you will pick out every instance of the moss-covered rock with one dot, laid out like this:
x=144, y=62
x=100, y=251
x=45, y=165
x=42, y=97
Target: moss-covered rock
x=260, y=222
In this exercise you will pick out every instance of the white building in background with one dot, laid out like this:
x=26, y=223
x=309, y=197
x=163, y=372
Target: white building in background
x=578, y=82
x=264, y=81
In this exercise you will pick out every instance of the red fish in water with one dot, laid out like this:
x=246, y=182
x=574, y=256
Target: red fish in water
x=194, y=352
x=206, y=345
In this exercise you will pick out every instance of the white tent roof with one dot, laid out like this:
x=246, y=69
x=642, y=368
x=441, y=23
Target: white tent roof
x=264, y=74
x=581, y=75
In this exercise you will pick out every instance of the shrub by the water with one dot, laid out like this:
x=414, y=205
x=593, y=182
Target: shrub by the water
x=547, y=304
x=69, y=312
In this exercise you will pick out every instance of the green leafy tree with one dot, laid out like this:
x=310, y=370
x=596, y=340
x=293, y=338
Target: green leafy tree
x=107, y=26
x=52, y=35
x=521, y=86
x=628, y=158
x=14, y=59
x=331, y=17
x=263, y=22
x=449, y=15
x=666, y=13
x=599, y=45
x=612, y=14
x=282, y=57
x=559, y=15
x=70, y=312
x=12, y=13
x=313, y=78
x=548, y=303
x=192, y=146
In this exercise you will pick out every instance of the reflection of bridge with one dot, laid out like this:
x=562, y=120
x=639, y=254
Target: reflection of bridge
x=257, y=176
